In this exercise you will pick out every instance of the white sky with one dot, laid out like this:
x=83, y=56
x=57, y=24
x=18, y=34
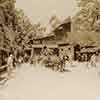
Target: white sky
x=41, y=10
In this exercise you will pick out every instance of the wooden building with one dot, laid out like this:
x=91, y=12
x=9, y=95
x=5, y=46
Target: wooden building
x=53, y=39
x=62, y=29
x=84, y=44
x=59, y=34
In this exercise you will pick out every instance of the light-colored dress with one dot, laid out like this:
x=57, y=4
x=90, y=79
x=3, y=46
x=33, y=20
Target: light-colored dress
x=93, y=61
x=10, y=64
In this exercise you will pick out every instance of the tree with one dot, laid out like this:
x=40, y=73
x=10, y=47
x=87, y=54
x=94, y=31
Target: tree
x=54, y=21
x=16, y=26
x=88, y=16
x=27, y=31
x=7, y=19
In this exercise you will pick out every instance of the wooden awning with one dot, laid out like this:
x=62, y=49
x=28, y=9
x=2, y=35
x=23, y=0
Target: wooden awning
x=89, y=50
x=52, y=46
x=38, y=46
x=63, y=44
x=41, y=46
x=44, y=37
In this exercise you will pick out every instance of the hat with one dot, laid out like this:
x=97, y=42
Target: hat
x=11, y=55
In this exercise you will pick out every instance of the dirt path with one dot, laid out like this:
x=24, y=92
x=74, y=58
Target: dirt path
x=32, y=83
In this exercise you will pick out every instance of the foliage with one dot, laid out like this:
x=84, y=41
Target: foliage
x=54, y=21
x=7, y=21
x=88, y=16
x=27, y=31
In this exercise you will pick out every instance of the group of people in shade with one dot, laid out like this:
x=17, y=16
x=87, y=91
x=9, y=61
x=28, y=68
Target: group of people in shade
x=51, y=60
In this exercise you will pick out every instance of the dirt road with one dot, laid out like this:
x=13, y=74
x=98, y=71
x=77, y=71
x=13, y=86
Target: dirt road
x=35, y=83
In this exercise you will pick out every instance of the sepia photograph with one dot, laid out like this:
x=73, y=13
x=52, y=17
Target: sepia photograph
x=49, y=49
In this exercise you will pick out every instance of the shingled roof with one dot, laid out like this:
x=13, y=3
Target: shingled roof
x=44, y=36
x=60, y=25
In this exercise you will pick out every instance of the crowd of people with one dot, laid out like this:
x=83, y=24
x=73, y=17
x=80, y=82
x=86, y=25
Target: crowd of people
x=47, y=58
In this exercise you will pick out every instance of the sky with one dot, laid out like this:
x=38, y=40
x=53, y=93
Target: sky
x=42, y=10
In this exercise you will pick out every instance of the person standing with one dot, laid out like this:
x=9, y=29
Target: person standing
x=10, y=65
x=62, y=59
x=93, y=60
